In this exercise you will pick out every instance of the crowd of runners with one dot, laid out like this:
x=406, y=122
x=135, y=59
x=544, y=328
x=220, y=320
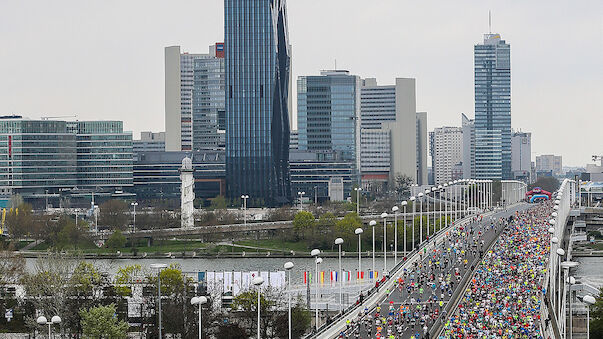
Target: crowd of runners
x=503, y=298
x=421, y=292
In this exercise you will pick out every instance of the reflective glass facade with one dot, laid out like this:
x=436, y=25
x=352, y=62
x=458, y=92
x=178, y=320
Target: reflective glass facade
x=492, y=108
x=104, y=154
x=45, y=155
x=257, y=89
x=327, y=113
x=208, y=104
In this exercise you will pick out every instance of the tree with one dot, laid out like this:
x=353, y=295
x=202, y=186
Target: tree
x=596, y=317
x=300, y=322
x=218, y=203
x=100, y=322
x=345, y=228
x=12, y=266
x=402, y=185
x=116, y=240
x=303, y=222
x=21, y=222
x=125, y=279
x=550, y=184
x=229, y=331
x=114, y=214
x=247, y=303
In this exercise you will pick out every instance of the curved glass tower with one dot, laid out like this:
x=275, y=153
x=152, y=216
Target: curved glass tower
x=257, y=93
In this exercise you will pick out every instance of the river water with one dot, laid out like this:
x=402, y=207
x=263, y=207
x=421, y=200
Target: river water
x=590, y=271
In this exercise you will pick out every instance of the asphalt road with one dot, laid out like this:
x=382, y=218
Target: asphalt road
x=429, y=285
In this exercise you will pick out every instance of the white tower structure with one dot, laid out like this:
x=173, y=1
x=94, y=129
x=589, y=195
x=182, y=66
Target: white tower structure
x=187, y=195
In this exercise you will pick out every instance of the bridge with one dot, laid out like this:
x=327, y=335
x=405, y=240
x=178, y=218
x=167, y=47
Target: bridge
x=554, y=318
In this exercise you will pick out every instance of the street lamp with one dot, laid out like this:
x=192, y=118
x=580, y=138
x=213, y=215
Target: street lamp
x=43, y=321
x=359, y=232
x=301, y=200
x=288, y=266
x=358, y=189
x=339, y=242
x=412, y=222
x=372, y=223
x=257, y=281
x=199, y=301
x=420, y=219
x=439, y=190
x=244, y=197
x=134, y=204
x=315, y=252
x=404, y=203
x=384, y=216
x=589, y=300
x=395, y=210
x=554, y=241
x=566, y=265
x=159, y=268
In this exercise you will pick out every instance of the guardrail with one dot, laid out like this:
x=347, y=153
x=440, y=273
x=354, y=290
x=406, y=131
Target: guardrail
x=376, y=294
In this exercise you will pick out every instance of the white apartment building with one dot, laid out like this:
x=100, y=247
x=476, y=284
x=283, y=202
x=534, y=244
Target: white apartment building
x=446, y=152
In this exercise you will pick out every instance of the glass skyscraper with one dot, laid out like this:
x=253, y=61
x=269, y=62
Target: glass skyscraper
x=492, y=108
x=257, y=93
x=327, y=109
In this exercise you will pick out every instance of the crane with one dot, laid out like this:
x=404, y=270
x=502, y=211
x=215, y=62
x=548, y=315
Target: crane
x=60, y=117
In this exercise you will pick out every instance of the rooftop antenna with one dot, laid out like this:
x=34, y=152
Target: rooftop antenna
x=335, y=64
x=489, y=22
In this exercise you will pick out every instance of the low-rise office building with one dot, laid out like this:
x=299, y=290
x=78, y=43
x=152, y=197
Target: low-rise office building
x=54, y=161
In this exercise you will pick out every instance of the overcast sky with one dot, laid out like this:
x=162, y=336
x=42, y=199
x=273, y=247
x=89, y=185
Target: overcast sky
x=104, y=59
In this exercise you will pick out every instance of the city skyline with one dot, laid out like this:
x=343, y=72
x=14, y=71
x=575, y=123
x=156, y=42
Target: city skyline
x=85, y=71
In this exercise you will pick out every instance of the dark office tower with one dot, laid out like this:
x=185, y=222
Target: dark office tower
x=257, y=95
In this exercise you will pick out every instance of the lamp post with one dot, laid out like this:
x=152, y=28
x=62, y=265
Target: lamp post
x=566, y=265
x=373, y=223
x=554, y=241
x=339, y=242
x=404, y=203
x=159, y=268
x=301, y=202
x=420, y=219
x=288, y=266
x=359, y=232
x=315, y=252
x=395, y=210
x=358, y=189
x=199, y=301
x=434, y=190
x=384, y=216
x=43, y=321
x=560, y=253
x=446, y=205
x=257, y=281
x=244, y=197
x=439, y=190
x=571, y=281
x=134, y=204
x=589, y=300
x=412, y=222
